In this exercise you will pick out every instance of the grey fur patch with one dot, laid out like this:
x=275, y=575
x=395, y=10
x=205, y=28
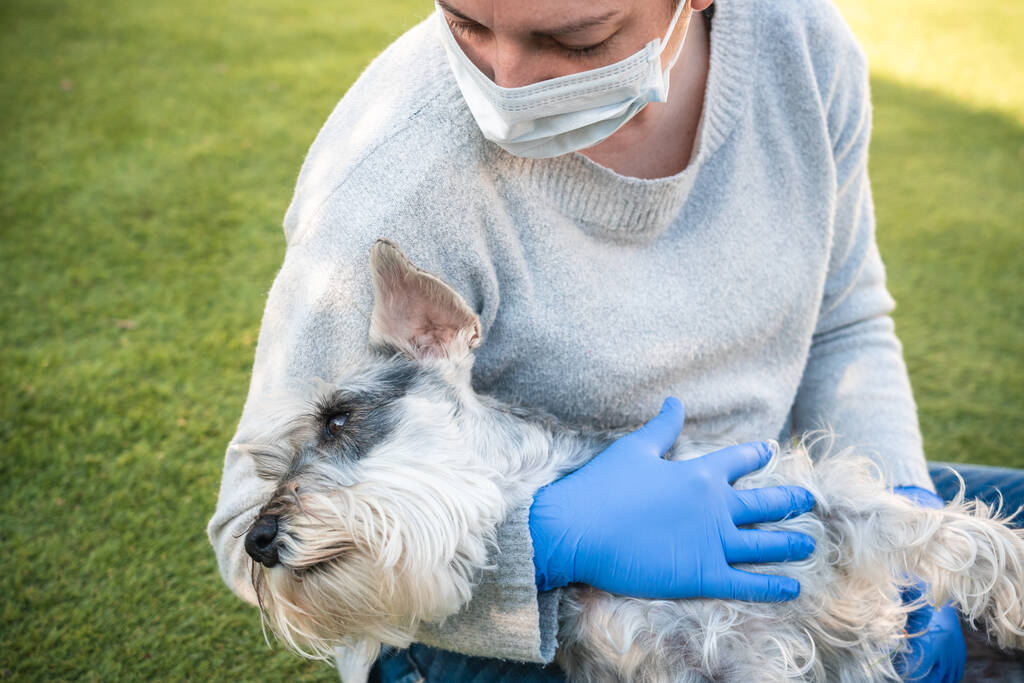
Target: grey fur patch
x=367, y=400
x=369, y=409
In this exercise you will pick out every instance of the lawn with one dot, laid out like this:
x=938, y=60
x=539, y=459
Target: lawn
x=149, y=152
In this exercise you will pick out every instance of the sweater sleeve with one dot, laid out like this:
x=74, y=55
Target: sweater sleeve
x=507, y=617
x=855, y=379
x=315, y=325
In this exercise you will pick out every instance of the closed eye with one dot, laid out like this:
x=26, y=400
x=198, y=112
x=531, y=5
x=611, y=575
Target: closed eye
x=471, y=29
x=586, y=51
x=467, y=28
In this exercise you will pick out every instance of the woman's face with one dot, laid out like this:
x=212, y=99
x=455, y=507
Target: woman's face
x=518, y=42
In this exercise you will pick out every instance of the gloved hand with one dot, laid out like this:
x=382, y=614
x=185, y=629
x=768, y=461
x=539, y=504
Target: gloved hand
x=939, y=655
x=632, y=523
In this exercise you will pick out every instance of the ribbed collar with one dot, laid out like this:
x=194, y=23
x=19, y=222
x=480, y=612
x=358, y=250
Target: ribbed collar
x=608, y=204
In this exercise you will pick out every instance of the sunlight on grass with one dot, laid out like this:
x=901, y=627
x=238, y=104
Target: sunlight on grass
x=149, y=152
x=970, y=52
x=947, y=169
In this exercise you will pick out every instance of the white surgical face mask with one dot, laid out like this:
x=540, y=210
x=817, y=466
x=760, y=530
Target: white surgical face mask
x=567, y=113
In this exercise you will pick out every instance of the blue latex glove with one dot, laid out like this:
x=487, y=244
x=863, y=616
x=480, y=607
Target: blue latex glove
x=632, y=523
x=939, y=655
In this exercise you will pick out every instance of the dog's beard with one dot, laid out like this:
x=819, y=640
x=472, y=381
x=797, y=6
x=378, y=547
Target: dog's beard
x=375, y=559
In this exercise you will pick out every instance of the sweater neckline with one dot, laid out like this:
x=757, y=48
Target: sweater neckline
x=607, y=204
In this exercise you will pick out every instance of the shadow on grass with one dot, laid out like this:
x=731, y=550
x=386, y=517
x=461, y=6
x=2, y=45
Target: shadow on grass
x=948, y=183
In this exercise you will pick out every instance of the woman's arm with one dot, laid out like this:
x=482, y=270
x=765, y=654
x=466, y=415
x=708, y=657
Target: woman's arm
x=315, y=326
x=507, y=618
x=855, y=379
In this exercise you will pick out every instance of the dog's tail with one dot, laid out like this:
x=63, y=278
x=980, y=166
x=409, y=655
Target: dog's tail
x=967, y=552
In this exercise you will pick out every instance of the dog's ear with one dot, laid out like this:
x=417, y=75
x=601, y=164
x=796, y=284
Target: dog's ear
x=416, y=312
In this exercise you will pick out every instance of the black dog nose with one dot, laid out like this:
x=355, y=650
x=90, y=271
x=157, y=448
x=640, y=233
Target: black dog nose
x=259, y=542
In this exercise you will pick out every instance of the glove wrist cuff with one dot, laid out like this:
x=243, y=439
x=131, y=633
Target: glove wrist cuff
x=922, y=497
x=550, y=568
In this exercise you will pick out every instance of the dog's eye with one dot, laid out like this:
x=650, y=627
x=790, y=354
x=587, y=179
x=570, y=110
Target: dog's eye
x=335, y=424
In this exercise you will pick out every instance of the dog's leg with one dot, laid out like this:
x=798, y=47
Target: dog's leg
x=967, y=555
x=964, y=552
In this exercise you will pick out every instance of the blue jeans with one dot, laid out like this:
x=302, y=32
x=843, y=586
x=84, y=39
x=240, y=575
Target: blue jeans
x=421, y=664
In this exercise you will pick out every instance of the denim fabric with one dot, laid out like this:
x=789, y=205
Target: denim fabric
x=982, y=482
x=422, y=664
x=396, y=666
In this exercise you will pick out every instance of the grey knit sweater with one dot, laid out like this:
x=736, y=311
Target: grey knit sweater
x=749, y=285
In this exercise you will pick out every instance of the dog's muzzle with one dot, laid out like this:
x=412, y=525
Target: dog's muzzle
x=259, y=542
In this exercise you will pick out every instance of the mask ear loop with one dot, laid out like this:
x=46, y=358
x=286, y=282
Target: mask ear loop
x=683, y=4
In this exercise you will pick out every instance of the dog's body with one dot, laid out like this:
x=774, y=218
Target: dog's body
x=392, y=486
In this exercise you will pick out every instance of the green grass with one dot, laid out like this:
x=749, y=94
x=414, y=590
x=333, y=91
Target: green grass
x=149, y=152
x=947, y=171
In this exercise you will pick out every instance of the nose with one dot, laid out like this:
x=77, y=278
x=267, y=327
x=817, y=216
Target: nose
x=511, y=66
x=259, y=542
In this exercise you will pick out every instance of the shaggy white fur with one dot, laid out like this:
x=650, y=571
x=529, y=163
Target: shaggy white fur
x=391, y=485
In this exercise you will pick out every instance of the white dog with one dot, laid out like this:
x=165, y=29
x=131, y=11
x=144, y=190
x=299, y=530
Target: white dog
x=391, y=487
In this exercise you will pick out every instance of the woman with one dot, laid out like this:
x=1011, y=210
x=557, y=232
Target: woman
x=621, y=241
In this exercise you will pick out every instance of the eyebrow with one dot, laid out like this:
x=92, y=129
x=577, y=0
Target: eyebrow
x=564, y=29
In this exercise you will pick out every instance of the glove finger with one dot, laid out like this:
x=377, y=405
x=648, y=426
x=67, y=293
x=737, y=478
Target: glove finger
x=658, y=435
x=919, y=620
x=912, y=592
x=958, y=672
x=913, y=663
x=949, y=640
x=755, y=545
x=770, y=505
x=927, y=667
x=735, y=461
x=921, y=497
x=741, y=585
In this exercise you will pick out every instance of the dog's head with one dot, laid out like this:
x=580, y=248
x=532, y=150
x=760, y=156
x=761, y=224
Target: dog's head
x=381, y=516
